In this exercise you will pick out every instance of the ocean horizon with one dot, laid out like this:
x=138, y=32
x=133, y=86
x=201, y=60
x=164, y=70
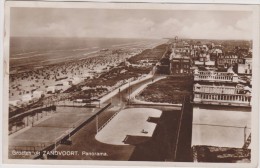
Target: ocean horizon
x=30, y=50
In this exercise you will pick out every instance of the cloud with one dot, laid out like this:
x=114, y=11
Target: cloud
x=245, y=24
x=138, y=27
x=216, y=30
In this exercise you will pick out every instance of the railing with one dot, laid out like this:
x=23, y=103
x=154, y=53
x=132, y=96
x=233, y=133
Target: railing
x=215, y=73
x=35, y=148
x=225, y=98
x=223, y=78
x=215, y=89
x=214, y=76
x=100, y=128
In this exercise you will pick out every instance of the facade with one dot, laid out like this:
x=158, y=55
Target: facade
x=226, y=61
x=164, y=66
x=180, y=65
x=215, y=53
x=213, y=76
x=246, y=67
x=223, y=99
x=221, y=95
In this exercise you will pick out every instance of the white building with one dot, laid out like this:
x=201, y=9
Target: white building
x=245, y=68
x=213, y=76
x=76, y=80
x=26, y=98
x=37, y=94
x=15, y=102
x=51, y=89
x=221, y=95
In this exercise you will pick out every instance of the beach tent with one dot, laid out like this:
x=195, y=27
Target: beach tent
x=37, y=94
x=26, y=98
x=15, y=102
x=51, y=89
x=76, y=80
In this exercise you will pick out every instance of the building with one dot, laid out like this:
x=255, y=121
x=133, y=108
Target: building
x=50, y=89
x=180, y=65
x=15, y=102
x=26, y=98
x=221, y=95
x=228, y=60
x=76, y=80
x=215, y=53
x=163, y=67
x=37, y=94
x=246, y=67
x=204, y=57
x=213, y=76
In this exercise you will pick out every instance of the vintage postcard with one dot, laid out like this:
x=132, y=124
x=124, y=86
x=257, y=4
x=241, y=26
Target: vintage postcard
x=131, y=84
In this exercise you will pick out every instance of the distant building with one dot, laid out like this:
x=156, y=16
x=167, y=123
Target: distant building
x=222, y=95
x=246, y=67
x=183, y=49
x=204, y=57
x=228, y=60
x=26, y=98
x=210, y=65
x=180, y=65
x=37, y=94
x=15, y=102
x=51, y=89
x=215, y=53
x=76, y=80
x=163, y=67
x=213, y=76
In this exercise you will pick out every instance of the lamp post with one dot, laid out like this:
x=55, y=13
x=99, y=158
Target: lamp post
x=129, y=92
x=97, y=123
x=245, y=134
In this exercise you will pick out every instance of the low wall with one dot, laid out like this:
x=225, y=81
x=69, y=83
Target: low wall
x=71, y=132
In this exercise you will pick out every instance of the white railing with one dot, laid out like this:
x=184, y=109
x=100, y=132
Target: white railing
x=223, y=78
x=215, y=89
x=222, y=98
x=215, y=76
x=100, y=128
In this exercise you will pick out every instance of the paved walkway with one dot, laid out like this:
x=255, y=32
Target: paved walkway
x=123, y=87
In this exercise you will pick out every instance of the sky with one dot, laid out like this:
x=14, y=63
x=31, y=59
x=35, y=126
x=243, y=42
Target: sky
x=131, y=23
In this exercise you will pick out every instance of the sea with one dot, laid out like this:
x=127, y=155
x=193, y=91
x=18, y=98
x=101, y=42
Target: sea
x=40, y=51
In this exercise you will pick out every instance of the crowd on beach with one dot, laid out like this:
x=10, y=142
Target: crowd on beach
x=67, y=73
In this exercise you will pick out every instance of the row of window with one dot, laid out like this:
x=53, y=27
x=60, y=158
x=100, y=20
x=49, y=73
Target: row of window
x=184, y=66
x=182, y=71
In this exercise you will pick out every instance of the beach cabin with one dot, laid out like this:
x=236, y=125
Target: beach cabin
x=66, y=83
x=15, y=102
x=26, y=98
x=37, y=94
x=62, y=88
x=76, y=80
x=87, y=76
x=51, y=89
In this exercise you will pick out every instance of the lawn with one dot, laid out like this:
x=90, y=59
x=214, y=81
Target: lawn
x=169, y=90
x=153, y=55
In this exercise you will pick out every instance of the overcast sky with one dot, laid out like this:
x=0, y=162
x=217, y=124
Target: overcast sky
x=112, y=23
